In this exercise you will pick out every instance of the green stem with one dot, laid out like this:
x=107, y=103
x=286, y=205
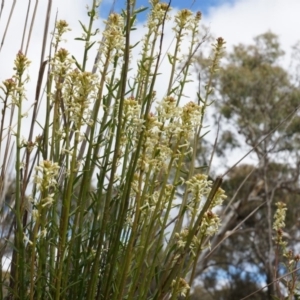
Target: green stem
x=65, y=219
x=92, y=13
x=18, y=205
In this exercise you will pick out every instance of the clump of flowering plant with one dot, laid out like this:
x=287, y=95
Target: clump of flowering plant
x=96, y=211
x=290, y=281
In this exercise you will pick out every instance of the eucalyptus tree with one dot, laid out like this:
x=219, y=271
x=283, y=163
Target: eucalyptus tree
x=257, y=100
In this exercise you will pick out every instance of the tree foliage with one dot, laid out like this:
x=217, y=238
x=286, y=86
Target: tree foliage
x=256, y=95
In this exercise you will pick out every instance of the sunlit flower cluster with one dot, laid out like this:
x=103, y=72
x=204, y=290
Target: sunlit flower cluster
x=199, y=184
x=9, y=86
x=195, y=244
x=198, y=187
x=158, y=200
x=61, y=63
x=131, y=108
x=219, y=48
x=191, y=113
x=182, y=19
x=113, y=34
x=45, y=178
x=279, y=217
x=15, y=87
x=190, y=118
x=168, y=109
x=186, y=24
x=172, y=125
x=210, y=224
x=153, y=127
x=279, y=223
x=158, y=14
x=181, y=237
x=195, y=22
x=21, y=63
x=208, y=227
x=35, y=214
x=46, y=175
x=61, y=57
x=77, y=89
x=181, y=287
x=131, y=118
x=169, y=115
x=157, y=152
x=61, y=27
x=218, y=198
x=81, y=87
x=179, y=120
x=155, y=19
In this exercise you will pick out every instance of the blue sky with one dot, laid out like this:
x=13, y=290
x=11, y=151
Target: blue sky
x=195, y=5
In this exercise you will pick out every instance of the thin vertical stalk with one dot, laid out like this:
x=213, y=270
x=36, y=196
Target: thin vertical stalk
x=18, y=206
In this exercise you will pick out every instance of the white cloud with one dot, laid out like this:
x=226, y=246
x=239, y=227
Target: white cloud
x=239, y=22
